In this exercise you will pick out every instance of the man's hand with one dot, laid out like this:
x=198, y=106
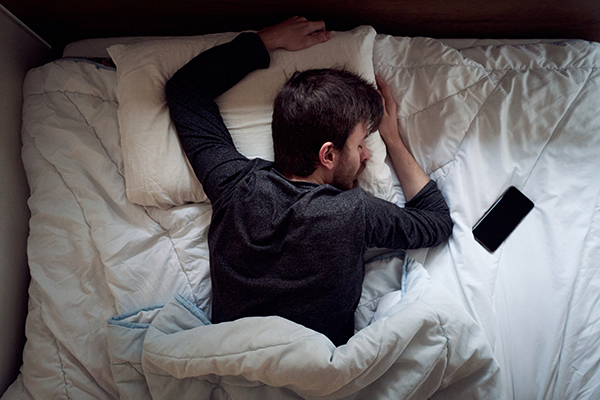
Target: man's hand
x=294, y=34
x=411, y=175
x=389, y=123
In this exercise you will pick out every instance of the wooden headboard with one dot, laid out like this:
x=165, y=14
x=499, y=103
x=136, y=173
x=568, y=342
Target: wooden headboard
x=62, y=21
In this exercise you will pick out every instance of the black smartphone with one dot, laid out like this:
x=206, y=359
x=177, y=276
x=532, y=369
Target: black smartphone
x=502, y=218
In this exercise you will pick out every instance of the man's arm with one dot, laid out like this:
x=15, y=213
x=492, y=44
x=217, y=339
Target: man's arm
x=411, y=175
x=190, y=93
x=425, y=220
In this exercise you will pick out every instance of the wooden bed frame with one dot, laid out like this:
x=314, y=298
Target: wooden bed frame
x=60, y=22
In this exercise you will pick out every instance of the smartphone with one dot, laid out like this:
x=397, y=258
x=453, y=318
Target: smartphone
x=502, y=218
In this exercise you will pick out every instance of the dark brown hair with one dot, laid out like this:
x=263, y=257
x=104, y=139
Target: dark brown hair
x=319, y=106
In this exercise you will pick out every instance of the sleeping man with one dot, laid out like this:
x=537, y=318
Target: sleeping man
x=288, y=238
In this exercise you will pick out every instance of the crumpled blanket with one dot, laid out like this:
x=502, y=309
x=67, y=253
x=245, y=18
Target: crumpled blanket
x=419, y=345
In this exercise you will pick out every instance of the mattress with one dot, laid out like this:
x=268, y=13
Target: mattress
x=112, y=281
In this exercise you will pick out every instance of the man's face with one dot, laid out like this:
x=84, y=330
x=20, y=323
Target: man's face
x=352, y=160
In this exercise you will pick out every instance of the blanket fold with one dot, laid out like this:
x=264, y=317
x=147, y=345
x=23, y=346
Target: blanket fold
x=423, y=343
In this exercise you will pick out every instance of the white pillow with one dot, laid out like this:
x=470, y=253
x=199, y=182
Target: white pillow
x=157, y=172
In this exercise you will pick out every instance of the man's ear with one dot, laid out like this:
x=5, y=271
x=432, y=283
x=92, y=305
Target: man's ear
x=328, y=155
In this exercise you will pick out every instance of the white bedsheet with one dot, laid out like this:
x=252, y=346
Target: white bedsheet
x=478, y=120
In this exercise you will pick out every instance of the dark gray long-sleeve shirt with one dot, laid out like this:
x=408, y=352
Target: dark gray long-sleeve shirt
x=282, y=247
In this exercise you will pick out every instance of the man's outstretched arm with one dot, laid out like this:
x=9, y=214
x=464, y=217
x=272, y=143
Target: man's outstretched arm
x=411, y=175
x=204, y=137
x=425, y=220
x=190, y=93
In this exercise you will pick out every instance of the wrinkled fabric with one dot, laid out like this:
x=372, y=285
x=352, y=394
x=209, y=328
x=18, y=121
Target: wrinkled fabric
x=422, y=344
x=492, y=116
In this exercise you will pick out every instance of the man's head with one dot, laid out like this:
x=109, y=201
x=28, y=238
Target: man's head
x=319, y=107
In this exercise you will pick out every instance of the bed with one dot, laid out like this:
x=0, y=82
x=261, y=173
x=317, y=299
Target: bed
x=119, y=301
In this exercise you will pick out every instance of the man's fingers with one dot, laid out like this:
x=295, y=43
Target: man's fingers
x=294, y=34
x=383, y=101
x=314, y=26
x=313, y=32
x=319, y=37
x=389, y=103
x=383, y=86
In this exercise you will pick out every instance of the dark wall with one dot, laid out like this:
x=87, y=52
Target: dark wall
x=63, y=21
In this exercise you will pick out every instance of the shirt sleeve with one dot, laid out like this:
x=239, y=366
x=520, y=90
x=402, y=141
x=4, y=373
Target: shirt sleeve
x=424, y=221
x=190, y=96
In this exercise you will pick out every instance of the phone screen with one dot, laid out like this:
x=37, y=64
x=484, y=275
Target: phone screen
x=501, y=219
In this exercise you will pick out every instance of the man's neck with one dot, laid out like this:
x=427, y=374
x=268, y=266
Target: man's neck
x=318, y=176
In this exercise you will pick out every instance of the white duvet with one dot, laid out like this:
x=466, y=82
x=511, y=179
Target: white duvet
x=421, y=346
x=527, y=116
x=478, y=120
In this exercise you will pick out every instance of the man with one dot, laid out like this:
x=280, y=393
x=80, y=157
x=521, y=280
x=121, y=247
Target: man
x=289, y=238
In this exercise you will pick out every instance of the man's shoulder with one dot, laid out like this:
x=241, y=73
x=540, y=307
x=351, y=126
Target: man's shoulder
x=263, y=181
